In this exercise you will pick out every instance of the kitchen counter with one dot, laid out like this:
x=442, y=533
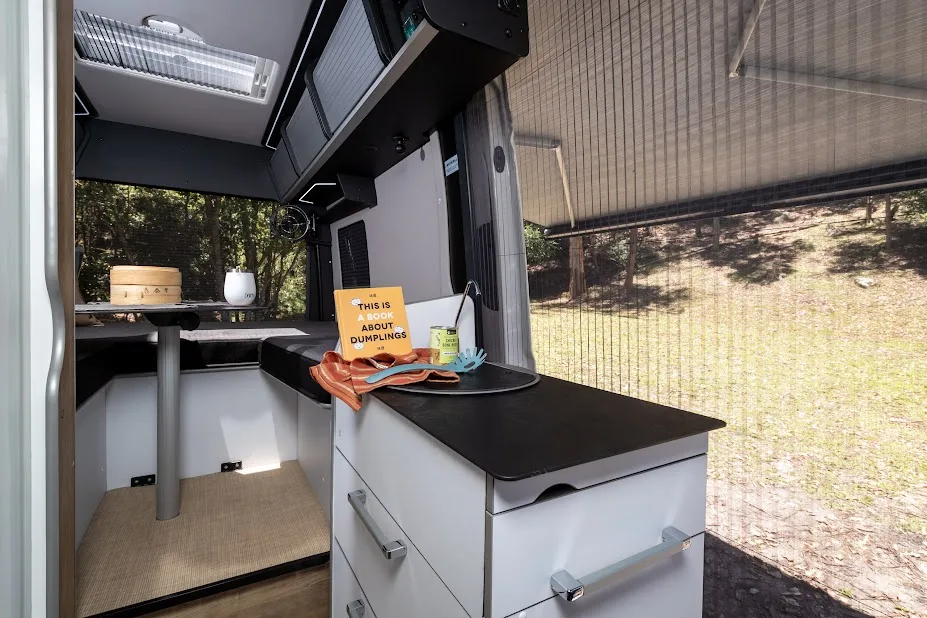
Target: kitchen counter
x=547, y=427
x=523, y=503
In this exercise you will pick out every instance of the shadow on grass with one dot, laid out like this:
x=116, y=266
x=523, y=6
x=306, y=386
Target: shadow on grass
x=548, y=283
x=738, y=585
x=640, y=297
x=614, y=298
x=907, y=252
x=760, y=260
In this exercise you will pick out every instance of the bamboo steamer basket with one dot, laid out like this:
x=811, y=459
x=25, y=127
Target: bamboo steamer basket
x=144, y=285
x=144, y=275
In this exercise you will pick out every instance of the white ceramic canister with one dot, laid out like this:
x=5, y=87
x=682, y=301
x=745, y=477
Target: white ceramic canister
x=239, y=287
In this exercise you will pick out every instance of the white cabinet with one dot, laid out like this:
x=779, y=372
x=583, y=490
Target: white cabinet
x=401, y=586
x=627, y=529
x=436, y=497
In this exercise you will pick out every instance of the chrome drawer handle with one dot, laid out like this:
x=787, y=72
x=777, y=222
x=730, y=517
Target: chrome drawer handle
x=356, y=609
x=390, y=549
x=571, y=588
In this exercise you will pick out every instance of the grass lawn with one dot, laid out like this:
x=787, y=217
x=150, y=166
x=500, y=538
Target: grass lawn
x=823, y=382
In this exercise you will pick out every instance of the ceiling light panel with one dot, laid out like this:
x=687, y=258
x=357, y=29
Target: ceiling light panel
x=171, y=56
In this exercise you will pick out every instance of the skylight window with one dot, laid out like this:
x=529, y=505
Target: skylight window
x=170, y=56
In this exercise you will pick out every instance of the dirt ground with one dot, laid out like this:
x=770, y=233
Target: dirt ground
x=806, y=559
x=740, y=585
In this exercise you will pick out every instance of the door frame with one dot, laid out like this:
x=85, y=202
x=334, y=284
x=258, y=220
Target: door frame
x=66, y=408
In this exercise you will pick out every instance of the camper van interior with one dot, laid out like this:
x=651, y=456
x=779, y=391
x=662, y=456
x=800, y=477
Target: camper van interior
x=209, y=459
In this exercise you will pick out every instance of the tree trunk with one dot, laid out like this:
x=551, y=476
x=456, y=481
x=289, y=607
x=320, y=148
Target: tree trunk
x=121, y=221
x=251, y=261
x=577, y=270
x=632, y=262
x=889, y=216
x=716, y=234
x=186, y=208
x=211, y=210
x=275, y=301
x=698, y=228
x=868, y=210
x=266, y=278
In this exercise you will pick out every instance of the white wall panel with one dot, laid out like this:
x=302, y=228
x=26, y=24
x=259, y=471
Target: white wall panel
x=89, y=460
x=314, y=449
x=407, y=236
x=224, y=416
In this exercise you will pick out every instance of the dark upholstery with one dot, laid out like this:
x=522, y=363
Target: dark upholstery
x=289, y=358
x=104, y=352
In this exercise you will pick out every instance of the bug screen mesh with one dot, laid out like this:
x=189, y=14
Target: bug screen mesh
x=724, y=212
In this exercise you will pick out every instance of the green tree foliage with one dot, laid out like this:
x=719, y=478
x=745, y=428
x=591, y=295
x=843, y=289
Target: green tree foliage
x=203, y=235
x=538, y=247
x=913, y=205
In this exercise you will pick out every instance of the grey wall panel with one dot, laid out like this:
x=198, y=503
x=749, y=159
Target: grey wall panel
x=411, y=211
x=304, y=133
x=20, y=209
x=141, y=156
x=348, y=65
x=281, y=168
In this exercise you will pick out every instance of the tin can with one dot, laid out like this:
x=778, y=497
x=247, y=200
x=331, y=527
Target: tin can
x=444, y=345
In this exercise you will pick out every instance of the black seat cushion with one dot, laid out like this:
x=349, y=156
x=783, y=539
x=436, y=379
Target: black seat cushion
x=289, y=358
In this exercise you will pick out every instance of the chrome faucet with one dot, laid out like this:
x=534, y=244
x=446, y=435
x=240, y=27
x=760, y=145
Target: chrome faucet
x=463, y=298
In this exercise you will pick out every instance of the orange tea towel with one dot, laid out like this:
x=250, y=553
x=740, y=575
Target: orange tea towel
x=345, y=379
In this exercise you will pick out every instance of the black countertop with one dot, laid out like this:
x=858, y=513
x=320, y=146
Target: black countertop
x=547, y=427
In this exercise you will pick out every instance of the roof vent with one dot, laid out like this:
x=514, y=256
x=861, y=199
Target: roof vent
x=171, y=26
x=165, y=49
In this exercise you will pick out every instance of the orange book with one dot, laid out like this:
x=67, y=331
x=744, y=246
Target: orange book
x=372, y=321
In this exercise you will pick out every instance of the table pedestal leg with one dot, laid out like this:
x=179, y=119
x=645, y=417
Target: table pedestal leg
x=168, y=480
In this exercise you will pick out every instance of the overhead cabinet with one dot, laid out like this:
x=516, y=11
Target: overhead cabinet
x=387, y=73
x=282, y=171
x=349, y=64
x=303, y=136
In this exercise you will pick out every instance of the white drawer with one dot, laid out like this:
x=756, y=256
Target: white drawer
x=348, y=600
x=672, y=589
x=398, y=587
x=436, y=497
x=589, y=530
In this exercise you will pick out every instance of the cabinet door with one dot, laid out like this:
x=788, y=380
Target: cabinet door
x=602, y=527
x=348, y=599
x=672, y=589
x=435, y=496
x=399, y=586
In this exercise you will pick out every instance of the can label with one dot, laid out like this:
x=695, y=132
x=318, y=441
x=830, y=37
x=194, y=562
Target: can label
x=444, y=345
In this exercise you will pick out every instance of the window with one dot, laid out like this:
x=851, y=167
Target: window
x=352, y=248
x=203, y=235
x=176, y=56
